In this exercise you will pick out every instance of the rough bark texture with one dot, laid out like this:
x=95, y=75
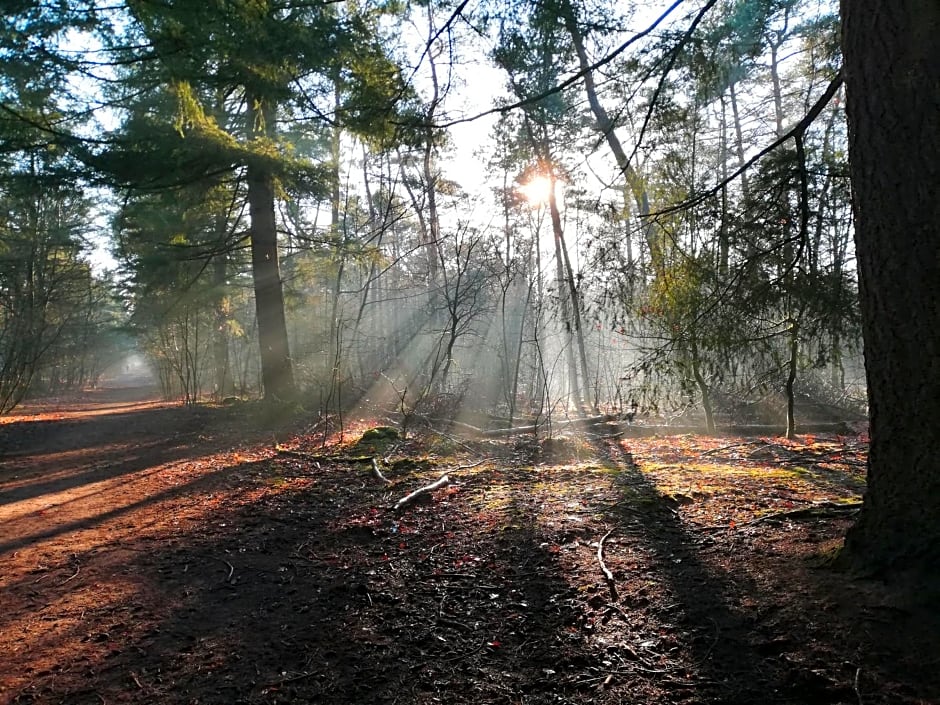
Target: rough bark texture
x=277, y=374
x=893, y=88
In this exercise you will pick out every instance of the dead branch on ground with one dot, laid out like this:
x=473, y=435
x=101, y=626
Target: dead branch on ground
x=443, y=481
x=608, y=576
x=378, y=473
x=817, y=511
x=351, y=459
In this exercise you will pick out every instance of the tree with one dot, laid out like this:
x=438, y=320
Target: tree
x=533, y=51
x=892, y=91
x=168, y=240
x=45, y=287
x=257, y=66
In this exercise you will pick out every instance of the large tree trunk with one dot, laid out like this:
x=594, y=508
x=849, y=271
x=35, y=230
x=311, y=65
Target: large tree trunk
x=277, y=375
x=892, y=92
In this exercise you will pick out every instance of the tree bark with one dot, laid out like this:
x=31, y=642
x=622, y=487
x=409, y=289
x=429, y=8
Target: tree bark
x=220, y=357
x=892, y=92
x=566, y=275
x=607, y=127
x=277, y=375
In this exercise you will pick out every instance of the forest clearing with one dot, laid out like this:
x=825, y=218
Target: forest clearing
x=437, y=351
x=159, y=553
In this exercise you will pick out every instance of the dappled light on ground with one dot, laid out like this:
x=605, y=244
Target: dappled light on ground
x=223, y=563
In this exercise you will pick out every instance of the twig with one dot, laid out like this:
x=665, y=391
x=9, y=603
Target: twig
x=858, y=694
x=454, y=624
x=734, y=445
x=231, y=570
x=378, y=473
x=292, y=679
x=608, y=576
x=471, y=652
x=443, y=481
x=78, y=570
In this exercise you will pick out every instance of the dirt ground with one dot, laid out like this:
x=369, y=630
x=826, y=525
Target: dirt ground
x=152, y=553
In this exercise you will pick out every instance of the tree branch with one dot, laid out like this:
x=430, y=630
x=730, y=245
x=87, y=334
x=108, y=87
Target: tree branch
x=574, y=78
x=796, y=131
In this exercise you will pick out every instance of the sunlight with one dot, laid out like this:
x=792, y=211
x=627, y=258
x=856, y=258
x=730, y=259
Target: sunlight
x=537, y=189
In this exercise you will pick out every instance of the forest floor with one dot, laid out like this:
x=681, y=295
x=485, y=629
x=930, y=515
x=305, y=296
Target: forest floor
x=152, y=553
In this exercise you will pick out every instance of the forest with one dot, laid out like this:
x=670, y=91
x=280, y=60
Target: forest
x=536, y=351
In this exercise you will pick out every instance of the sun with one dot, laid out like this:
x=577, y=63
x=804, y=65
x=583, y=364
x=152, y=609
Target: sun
x=537, y=190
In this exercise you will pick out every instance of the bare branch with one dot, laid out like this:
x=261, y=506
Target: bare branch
x=795, y=132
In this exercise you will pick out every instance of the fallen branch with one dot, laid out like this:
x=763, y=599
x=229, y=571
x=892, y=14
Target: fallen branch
x=78, y=569
x=732, y=446
x=315, y=458
x=820, y=509
x=554, y=425
x=443, y=481
x=608, y=576
x=451, y=438
x=231, y=570
x=471, y=465
x=529, y=428
x=378, y=473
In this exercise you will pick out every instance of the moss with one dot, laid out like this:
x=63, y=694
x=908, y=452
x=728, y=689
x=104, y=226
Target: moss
x=380, y=433
x=828, y=555
x=403, y=464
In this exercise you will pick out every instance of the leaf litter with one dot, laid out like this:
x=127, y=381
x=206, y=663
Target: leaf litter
x=176, y=556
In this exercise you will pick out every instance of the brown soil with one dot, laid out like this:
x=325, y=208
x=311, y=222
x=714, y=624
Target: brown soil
x=151, y=553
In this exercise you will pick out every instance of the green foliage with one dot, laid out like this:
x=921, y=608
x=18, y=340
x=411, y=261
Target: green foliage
x=50, y=304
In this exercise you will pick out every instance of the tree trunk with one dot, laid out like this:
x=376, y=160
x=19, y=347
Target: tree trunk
x=703, y=387
x=892, y=91
x=793, y=343
x=339, y=242
x=607, y=127
x=220, y=357
x=739, y=135
x=567, y=279
x=277, y=375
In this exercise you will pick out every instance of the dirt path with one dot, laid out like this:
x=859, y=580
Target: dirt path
x=74, y=470
x=151, y=553
x=86, y=486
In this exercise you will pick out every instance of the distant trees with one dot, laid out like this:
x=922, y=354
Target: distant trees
x=282, y=181
x=57, y=319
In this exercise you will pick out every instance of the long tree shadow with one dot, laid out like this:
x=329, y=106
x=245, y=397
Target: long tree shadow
x=44, y=457
x=313, y=592
x=723, y=647
x=296, y=583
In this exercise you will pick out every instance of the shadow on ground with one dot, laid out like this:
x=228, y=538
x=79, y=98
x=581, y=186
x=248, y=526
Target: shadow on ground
x=285, y=579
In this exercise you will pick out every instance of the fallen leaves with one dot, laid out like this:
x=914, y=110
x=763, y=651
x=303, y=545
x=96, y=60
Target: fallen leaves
x=290, y=575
